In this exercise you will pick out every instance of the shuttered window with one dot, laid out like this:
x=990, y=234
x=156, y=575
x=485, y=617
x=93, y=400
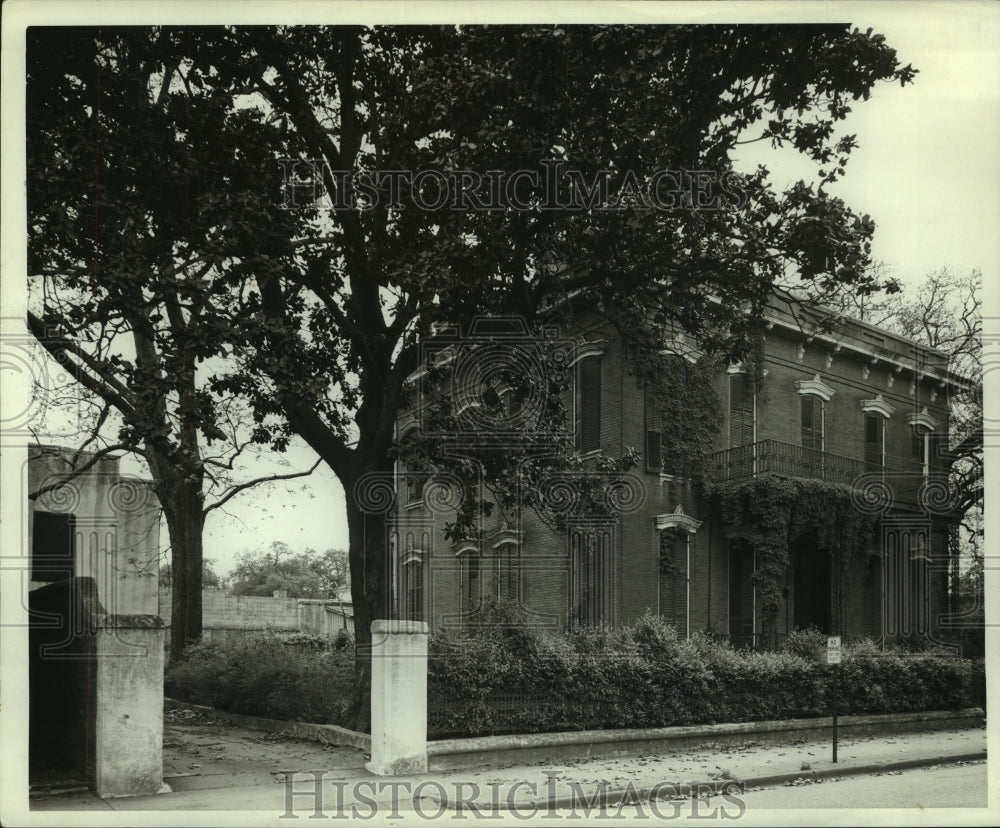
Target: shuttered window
x=470, y=591
x=740, y=411
x=591, y=587
x=874, y=439
x=654, y=433
x=509, y=582
x=588, y=404
x=812, y=422
x=673, y=579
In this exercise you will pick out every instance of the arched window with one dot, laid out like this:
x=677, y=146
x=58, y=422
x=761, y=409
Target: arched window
x=413, y=587
x=876, y=412
x=588, y=403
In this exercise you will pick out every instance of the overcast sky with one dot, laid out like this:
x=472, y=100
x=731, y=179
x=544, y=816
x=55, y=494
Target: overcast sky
x=927, y=170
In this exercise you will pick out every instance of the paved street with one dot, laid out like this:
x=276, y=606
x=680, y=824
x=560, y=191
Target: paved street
x=950, y=786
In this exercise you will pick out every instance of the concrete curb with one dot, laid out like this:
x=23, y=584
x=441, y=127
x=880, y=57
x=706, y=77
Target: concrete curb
x=613, y=797
x=501, y=751
x=325, y=734
x=859, y=770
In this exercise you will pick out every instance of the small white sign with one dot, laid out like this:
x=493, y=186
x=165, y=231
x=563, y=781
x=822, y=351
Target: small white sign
x=833, y=649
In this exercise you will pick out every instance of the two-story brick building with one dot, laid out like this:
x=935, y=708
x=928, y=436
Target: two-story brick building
x=846, y=423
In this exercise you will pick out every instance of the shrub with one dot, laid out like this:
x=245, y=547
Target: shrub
x=280, y=677
x=484, y=681
x=808, y=643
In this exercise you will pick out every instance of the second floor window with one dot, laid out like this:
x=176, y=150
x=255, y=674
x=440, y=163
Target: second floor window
x=414, y=489
x=654, y=433
x=920, y=447
x=874, y=439
x=741, y=414
x=811, y=422
x=588, y=404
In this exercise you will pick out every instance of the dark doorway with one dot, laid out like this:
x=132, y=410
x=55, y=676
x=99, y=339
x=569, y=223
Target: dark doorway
x=811, y=584
x=61, y=684
x=741, y=608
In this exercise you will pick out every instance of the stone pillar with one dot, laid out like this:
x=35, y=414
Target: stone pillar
x=128, y=732
x=399, y=698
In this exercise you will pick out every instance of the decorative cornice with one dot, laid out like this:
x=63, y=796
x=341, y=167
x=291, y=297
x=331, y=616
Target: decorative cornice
x=677, y=520
x=682, y=347
x=507, y=537
x=924, y=420
x=815, y=387
x=466, y=547
x=877, y=405
x=596, y=347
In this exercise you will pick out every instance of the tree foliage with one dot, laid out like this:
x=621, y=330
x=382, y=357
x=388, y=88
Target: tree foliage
x=308, y=574
x=141, y=180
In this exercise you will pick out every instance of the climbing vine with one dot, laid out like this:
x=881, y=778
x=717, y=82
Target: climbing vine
x=690, y=412
x=776, y=511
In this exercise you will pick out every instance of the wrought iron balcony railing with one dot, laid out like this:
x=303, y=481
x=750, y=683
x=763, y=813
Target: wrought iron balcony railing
x=788, y=460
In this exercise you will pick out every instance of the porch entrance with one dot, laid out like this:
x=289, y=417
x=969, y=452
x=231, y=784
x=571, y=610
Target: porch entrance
x=811, y=584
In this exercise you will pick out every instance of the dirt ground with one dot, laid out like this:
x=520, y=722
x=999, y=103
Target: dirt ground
x=202, y=752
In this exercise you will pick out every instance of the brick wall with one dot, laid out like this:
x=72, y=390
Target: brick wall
x=789, y=357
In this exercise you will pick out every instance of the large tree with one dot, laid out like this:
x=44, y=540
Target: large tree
x=139, y=183
x=330, y=329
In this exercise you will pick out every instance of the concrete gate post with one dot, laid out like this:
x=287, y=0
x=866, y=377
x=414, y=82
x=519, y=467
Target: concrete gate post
x=399, y=698
x=128, y=731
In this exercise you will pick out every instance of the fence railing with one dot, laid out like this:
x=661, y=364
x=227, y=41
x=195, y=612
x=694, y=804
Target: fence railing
x=904, y=478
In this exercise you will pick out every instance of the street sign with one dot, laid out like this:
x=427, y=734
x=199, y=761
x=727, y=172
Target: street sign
x=833, y=649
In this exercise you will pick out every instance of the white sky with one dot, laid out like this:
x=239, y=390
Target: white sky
x=927, y=170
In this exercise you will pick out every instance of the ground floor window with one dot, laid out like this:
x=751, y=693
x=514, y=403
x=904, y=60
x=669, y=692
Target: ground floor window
x=470, y=581
x=591, y=578
x=509, y=582
x=413, y=590
x=673, y=594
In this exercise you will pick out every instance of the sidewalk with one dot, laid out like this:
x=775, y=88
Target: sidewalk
x=713, y=768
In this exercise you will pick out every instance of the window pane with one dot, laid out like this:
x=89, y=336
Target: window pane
x=588, y=435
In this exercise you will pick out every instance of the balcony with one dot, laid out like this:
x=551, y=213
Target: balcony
x=906, y=481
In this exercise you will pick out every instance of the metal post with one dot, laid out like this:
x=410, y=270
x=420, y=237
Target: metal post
x=836, y=704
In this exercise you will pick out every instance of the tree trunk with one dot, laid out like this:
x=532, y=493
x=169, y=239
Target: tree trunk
x=370, y=589
x=182, y=508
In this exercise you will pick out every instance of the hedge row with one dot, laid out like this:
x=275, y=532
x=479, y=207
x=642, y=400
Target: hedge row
x=504, y=677
x=293, y=678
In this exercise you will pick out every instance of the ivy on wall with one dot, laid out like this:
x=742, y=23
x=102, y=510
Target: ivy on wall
x=773, y=512
x=690, y=410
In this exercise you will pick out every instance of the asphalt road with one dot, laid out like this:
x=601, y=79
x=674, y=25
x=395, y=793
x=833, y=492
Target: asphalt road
x=946, y=786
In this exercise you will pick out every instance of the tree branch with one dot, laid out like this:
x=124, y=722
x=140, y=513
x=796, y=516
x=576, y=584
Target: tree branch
x=235, y=490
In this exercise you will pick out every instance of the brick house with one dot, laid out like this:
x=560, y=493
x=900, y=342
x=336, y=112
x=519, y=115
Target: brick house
x=854, y=407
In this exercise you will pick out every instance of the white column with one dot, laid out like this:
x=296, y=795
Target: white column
x=399, y=698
